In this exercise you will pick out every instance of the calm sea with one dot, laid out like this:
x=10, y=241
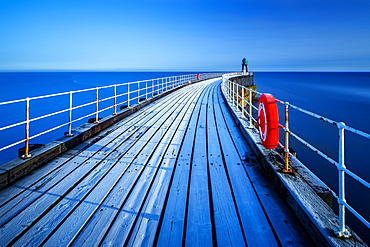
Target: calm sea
x=22, y=85
x=340, y=96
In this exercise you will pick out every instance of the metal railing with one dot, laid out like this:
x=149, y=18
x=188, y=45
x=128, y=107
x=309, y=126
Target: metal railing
x=235, y=93
x=131, y=93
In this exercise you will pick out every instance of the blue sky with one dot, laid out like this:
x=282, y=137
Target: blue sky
x=185, y=35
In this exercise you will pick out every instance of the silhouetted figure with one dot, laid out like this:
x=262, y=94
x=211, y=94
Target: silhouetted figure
x=244, y=64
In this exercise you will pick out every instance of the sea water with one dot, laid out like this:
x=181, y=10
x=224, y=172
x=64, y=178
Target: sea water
x=340, y=96
x=16, y=86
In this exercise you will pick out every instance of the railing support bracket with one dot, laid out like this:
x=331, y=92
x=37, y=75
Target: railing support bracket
x=342, y=234
x=26, y=156
x=287, y=170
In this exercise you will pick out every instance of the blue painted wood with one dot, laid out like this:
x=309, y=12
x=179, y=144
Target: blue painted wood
x=254, y=221
x=131, y=210
x=60, y=189
x=284, y=223
x=224, y=209
x=199, y=225
x=147, y=223
x=127, y=207
x=172, y=225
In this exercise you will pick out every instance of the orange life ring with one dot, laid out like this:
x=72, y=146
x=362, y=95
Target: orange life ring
x=268, y=121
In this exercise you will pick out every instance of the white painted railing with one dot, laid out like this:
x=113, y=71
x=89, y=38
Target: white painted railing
x=235, y=94
x=130, y=93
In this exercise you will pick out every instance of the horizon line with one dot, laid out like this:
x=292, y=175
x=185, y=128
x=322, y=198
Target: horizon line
x=158, y=70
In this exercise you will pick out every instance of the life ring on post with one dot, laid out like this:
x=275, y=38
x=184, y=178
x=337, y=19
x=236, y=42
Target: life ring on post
x=198, y=76
x=268, y=121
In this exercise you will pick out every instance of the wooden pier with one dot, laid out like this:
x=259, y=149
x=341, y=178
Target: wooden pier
x=177, y=172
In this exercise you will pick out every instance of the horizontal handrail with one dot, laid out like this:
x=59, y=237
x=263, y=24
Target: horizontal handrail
x=131, y=93
x=231, y=91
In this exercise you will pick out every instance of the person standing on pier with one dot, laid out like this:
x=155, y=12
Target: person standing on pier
x=244, y=64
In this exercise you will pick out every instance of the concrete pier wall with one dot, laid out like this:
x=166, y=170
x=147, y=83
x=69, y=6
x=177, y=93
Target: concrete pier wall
x=245, y=80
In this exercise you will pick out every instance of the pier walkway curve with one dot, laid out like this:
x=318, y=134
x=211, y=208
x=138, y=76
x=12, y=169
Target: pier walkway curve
x=177, y=172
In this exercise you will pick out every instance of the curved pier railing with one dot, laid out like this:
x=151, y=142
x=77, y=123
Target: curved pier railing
x=77, y=105
x=235, y=94
x=104, y=100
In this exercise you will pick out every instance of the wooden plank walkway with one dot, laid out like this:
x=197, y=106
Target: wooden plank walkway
x=177, y=172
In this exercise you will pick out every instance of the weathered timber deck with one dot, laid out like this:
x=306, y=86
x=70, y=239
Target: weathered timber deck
x=177, y=172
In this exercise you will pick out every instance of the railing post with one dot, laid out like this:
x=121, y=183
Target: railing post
x=115, y=100
x=286, y=144
x=157, y=86
x=228, y=90
x=243, y=103
x=69, y=134
x=138, y=92
x=26, y=155
x=128, y=95
x=342, y=232
x=146, y=89
x=237, y=97
x=234, y=94
x=97, y=106
x=231, y=92
x=250, y=109
x=152, y=87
